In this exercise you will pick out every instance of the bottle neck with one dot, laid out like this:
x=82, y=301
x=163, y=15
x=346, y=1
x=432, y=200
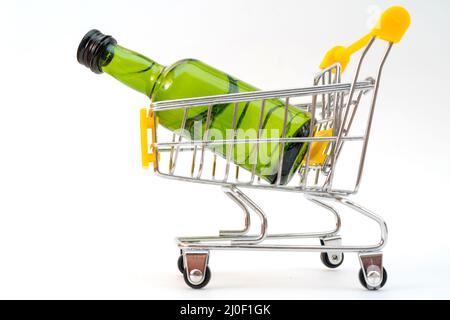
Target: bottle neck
x=131, y=68
x=101, y=53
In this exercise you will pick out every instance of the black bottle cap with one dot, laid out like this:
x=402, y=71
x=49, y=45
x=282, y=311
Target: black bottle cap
x=91, y=49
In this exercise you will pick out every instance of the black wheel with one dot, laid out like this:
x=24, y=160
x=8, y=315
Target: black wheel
x=180, y=264
x=330, y=263
x=362, y=279
x=199, y=285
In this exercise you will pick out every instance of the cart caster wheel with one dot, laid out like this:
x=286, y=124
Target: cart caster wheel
x=331, y=260
x=197, y=274
x=373, y=276
x=336, y=259
x=180, y=264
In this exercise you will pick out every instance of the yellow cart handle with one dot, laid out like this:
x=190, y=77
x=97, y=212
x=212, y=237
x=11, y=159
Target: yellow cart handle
x=391, y=27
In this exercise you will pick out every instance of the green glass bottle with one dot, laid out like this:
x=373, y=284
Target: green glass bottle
x=192, y=78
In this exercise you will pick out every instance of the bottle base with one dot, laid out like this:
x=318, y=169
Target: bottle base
x=293, y=156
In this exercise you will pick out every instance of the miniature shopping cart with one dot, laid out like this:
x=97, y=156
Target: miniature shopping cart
x=337, y=142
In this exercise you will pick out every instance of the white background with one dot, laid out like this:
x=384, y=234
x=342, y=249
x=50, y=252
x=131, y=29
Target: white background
x=79, y=218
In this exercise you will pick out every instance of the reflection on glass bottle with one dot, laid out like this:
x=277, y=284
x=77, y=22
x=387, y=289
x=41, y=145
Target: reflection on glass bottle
x=192, y=78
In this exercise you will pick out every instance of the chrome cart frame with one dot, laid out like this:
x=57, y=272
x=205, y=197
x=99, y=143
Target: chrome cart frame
x=332, y=105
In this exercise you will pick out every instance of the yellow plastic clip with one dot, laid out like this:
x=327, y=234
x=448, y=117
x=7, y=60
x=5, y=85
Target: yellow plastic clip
x=148, y=122
x=391, y=27
x=319, y=149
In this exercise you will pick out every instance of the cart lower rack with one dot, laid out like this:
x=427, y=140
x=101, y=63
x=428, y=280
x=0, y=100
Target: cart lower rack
x=338, y=139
